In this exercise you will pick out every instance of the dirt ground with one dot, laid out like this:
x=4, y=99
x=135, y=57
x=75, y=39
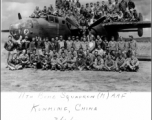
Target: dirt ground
x=28, y=80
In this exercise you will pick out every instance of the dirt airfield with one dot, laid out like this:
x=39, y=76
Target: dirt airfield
x=30, y=80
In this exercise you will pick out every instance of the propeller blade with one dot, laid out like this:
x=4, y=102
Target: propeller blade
x=5, y=30
x=100, y=20
x=19, y=16
x=72, y=22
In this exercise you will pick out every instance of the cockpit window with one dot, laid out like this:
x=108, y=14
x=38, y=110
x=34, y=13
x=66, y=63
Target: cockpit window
x=27, y=24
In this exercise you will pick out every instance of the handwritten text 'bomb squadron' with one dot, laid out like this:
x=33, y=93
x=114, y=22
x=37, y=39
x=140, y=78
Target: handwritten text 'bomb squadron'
x=69, y=97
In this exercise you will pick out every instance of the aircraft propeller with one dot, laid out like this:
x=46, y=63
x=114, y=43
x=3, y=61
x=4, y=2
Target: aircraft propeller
x=19, y=16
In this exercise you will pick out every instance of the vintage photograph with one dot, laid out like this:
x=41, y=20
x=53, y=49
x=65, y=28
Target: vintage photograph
x=76, y=45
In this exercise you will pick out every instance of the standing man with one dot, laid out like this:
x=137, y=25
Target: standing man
x=62, y=42
x=47, y=45
x=69, y=44
x=122, y=45
x=32, y=45
x=112, y=45
x=133, y=45
x=10, y=46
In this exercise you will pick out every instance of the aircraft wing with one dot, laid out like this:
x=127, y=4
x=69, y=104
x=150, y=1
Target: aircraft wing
x=119, y=26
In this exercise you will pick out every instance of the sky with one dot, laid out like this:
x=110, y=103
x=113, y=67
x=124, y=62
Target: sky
x=10, y=9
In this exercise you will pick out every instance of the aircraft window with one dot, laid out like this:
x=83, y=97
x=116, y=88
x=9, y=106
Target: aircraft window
x=51, y=19
x=56, y=20
x=63, y=22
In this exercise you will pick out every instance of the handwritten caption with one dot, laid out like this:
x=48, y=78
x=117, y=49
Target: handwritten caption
x=68, y=102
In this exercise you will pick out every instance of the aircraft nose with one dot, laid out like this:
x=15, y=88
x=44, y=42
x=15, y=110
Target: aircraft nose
x=15, y=31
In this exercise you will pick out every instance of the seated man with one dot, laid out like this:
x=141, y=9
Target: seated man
x=44, y=12
x=63, y=50
x=36, y=13
x=46, y=61
x=14, y=64
x=80, y=63
x=33, y=59
x=132, y=63
x=98, y=63
x=88, y=60
x=100, y=51
x=24, y=59
x=121, y=63
x=62, y=62
x=114, y=55
x=109, y=63
x=54, y=63
x=71, y=62
x=50, y=10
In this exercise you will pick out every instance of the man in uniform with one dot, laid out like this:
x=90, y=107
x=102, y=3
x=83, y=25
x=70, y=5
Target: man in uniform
x=123, y=6
x=10, y=46
x=33, y=60
x=32, y=46
x=80, y=64
x=14, y=63
x=69, y=44
x=98, y=63
x=62, y=50
x=122, y=46
x=109, y=63
x=47, y=45
x=62, y=62
x=62, y=42
x=132, y=63
x=112, y=45
x=24, y=59
x=133, y=45
x=88, y=61
x=77, y=43
x=44, y=12
x=120, y=63
x=110, y=6
x=71, y=62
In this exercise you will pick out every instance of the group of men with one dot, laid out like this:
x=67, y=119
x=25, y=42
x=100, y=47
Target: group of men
x=85, y=53
x=89, y=13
